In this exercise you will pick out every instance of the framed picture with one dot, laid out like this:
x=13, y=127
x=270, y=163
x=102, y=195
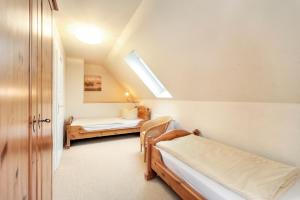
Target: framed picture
x=92, y=83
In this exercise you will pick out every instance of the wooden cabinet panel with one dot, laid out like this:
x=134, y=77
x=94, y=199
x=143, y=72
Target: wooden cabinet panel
x=46, y=96
x=35, y=65
x=39, y=97
x=25, y=98
x=14, y=101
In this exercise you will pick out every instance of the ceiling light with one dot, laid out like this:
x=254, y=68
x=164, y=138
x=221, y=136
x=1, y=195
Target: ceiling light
x=89, y=34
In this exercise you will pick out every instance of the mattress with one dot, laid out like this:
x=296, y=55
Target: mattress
x=208, y=187
x=97, y=124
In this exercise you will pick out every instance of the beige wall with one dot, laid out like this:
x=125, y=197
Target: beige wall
x=242, y=50
x=75, y=95
x=269, y=129
x=228, y=57
x=111, y=89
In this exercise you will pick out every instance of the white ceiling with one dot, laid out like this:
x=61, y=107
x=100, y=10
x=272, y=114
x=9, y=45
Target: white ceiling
x=110, y=15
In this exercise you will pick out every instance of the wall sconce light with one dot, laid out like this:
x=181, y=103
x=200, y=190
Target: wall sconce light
x=128, y=97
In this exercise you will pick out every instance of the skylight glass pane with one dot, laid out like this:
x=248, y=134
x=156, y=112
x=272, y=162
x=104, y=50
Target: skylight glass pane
x=137, y=64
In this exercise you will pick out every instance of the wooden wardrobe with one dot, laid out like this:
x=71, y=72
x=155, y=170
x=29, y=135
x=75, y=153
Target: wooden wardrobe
x=26, y=99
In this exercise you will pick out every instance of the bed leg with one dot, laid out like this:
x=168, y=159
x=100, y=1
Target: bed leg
x=67, y=127
x=68, y=142
x=149, y=174
x=145, y=154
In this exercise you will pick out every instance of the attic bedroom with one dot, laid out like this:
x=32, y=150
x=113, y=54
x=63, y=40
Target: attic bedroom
x=149, y=100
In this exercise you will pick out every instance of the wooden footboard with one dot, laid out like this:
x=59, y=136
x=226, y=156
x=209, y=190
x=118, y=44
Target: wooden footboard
x=155, y=166
x=77, y=132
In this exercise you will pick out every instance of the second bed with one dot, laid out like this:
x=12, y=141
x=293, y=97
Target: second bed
x=81, y=128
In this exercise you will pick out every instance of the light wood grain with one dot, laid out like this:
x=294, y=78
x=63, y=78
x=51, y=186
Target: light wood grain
x=33, y=96
x=25, y=164
x=39, y=100
x=46, y=99
x=14, y=101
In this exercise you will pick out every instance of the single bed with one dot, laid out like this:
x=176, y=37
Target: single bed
x=189, y=183
x=81, y=128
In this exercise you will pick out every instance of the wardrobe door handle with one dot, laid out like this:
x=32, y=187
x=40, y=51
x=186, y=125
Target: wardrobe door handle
x=33, y=124
x=45, y=120
x=39, y=121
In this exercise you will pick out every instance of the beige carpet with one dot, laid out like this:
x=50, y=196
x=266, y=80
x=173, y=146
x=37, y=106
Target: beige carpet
x=104, y=169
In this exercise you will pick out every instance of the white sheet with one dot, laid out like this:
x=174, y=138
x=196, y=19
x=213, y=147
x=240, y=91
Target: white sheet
x=96, y=124
x=209, y=188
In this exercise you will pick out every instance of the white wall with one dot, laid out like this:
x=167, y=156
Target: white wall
x=269, y=129
x=58, y=103
x=75, y=95
x=215, y=50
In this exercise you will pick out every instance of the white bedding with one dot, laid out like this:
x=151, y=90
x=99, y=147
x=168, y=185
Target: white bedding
x=97, y=124
x=209, y=188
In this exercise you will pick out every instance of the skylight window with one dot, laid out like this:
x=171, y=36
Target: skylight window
x=137, y=64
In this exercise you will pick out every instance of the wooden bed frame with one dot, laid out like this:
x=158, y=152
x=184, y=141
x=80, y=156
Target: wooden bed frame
x=77, y=132
x=155, y=166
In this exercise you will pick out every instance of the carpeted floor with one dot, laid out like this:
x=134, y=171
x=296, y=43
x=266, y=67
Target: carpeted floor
x=110, y=168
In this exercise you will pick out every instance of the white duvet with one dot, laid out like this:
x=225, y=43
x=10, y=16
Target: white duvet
x=251, y=176
x=95, y=124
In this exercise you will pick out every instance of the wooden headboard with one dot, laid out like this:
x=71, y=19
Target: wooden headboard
x=144, y=112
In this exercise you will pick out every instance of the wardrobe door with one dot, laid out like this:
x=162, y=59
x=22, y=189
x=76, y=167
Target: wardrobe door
x=35, y=7
x=14, y=99
x=39, y=100
x=46, y=101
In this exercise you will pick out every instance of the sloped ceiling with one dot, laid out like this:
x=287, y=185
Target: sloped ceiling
x=110, y=15
x=216, y=50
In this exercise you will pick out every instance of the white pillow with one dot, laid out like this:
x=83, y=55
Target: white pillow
x=129, y=114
